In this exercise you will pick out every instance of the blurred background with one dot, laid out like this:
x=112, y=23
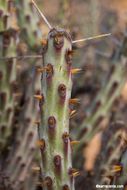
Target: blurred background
x=100, y=119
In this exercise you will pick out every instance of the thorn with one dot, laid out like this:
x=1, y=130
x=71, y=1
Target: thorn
x=74, y=101
x=92, y=38
x=72, y=113
x=117, y=168
x=37, y=122
x=41, y=70
x=39, y=184
x=19, y=67
x=36, y=168
x=22, y=57
x=75, y=174
x=39, y=97
x=44, y=42
x=41, y=14
x=75, y=71
x=74, y=142
x=17, y=94
x=40, y=143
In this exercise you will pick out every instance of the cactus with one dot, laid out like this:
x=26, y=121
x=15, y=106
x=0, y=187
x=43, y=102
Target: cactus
x=12, y=45
x=31, y=28
x=57, y=172
x=18, y=110
x=103, y=101
x=24, y=151
x=3, y=14
x=122, y=178
x=107, y=166
x=8, y=38
x=113, y=146
x=17, y=119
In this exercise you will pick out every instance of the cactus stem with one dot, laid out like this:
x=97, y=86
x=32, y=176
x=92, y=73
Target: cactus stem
x=56, y=82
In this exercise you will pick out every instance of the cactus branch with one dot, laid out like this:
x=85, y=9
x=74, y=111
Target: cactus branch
x=55, y=143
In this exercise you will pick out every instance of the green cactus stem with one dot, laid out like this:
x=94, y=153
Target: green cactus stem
x=23, y=147
x=108, y=168
x=3, y=14
x=8, y=41
x=104, y=101
x=57, y=172
x=112, y=147
x=30, y=28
